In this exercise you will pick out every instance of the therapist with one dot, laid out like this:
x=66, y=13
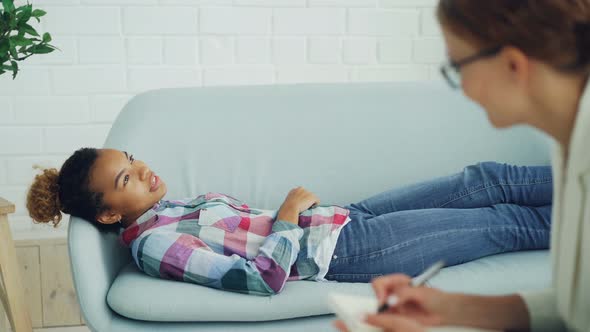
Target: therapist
x=524, y=62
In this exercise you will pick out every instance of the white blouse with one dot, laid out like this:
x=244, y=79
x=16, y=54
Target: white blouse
x=566, y=306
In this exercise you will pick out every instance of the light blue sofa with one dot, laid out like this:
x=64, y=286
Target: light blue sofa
x=344, y=142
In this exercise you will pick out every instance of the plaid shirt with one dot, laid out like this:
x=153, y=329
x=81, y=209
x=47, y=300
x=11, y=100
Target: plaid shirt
x=217, y=241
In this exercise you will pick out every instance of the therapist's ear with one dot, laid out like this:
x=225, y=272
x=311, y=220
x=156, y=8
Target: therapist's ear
x=517, y=65
x=109, y=217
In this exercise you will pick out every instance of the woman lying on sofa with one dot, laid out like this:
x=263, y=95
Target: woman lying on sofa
x=218, y=241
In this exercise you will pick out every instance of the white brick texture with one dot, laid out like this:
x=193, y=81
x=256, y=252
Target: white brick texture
x=309, y=21
x=100, y=50
x=288, y=50
x=145, y=51
x=376, y=22
x=6, y=112
x=64, y=140
x=111, y=50
x=244, y=21
x=160, y=20
x=324, y=50
x=51, y=110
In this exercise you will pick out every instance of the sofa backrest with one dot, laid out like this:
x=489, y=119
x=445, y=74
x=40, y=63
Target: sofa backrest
x=345, y=142
x=342, y=141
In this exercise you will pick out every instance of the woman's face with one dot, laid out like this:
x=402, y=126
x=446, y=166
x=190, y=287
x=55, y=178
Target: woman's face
x=496, y=82
x=128, y=186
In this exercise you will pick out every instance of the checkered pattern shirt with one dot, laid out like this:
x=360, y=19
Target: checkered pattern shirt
x=217, y=241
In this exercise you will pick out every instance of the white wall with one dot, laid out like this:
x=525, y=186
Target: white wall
x=113, y=49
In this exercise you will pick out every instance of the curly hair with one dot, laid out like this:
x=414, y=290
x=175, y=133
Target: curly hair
x=556, y=32
x=66, y=191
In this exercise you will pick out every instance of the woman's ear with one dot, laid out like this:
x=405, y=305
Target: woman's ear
x=517, y=63
x=109, y=217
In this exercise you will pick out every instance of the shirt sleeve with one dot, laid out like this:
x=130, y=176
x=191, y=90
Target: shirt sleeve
x=542, y=307
x=184, y=257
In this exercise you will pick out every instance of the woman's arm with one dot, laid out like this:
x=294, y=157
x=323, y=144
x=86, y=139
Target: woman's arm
x=433, y=307
x=185, y=257
x=491, y=312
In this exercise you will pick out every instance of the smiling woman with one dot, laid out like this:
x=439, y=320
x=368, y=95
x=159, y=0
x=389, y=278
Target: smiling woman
x=524, y=62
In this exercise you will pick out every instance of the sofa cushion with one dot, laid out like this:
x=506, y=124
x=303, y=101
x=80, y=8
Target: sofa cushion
x=138, y=296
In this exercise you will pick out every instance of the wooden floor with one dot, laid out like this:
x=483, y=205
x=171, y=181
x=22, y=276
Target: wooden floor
x=85, y=329
x=64, y=329
x=61, y=329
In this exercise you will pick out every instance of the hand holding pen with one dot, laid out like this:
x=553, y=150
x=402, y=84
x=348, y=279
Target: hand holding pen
x=410, y=304
x=414, y=282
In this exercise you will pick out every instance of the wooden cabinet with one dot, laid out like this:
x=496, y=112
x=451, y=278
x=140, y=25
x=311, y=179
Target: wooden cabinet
x=47, y=279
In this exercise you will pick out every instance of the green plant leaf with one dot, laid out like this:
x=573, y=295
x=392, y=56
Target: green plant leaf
x=20, y=41
x=41, y=49
x=30, y=30
x=4, y=46
x=14, y=69
x=38, y=13
x=12, y=22
x=8, y=5
x=13, y=52
x=6, y=21
x=46, y=37
x=25, y=14
x=3, y=26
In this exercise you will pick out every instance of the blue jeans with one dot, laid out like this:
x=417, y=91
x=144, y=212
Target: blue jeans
x=486, y=209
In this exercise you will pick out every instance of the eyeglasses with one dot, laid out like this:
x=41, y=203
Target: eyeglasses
x=451, y=71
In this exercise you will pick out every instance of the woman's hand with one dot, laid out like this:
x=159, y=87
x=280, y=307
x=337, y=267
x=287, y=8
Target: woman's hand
x=298, y=200
x=301, y=199
x=432, y=307
x=428, y=306
x=415, y=307
x=423, y=306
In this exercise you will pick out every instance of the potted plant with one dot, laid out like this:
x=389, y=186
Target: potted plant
x=18, y=39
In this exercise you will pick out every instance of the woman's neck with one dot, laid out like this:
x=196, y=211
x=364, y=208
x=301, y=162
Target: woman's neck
x=127, y=222
x=130, y=219
x=556, y=106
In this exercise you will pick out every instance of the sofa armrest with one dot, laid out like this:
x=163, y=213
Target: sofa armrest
x=96, y=258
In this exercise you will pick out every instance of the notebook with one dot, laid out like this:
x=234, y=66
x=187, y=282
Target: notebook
x=352, y=309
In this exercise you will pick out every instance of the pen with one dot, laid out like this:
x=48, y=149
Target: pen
x=416, y=282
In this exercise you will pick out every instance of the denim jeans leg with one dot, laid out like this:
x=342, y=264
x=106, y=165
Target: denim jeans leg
x=409, y=241
x=480, y=185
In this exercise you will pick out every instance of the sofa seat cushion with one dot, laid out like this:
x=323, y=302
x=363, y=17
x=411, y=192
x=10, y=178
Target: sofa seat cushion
x=138, y=296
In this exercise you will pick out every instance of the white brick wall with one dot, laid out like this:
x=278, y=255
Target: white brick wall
x=114, y=49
